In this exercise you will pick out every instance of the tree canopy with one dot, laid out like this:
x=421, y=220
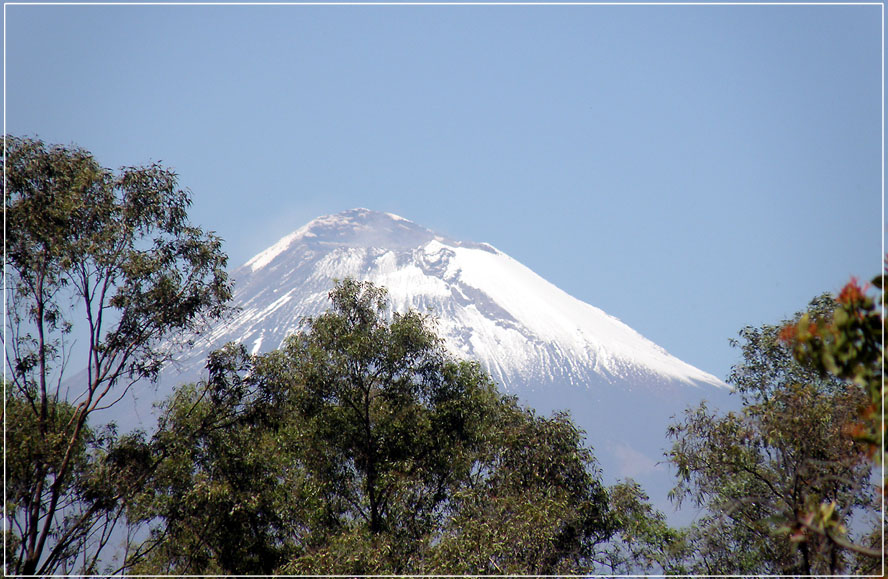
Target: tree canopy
x=787, y=452
x=116, y=250
x=361, y=447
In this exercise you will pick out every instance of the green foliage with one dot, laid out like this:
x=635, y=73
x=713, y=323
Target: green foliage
x=119, y=249
x=647, y=544
x=533, y=504
x=784, y=453
x=388, y=419
x=221, y=485
x=102, y=469
x=361, y=447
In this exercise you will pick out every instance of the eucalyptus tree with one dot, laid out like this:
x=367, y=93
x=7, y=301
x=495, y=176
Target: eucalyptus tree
x=111, y=258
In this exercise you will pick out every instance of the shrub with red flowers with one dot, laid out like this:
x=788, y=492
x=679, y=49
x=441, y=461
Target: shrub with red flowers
x=849, y=346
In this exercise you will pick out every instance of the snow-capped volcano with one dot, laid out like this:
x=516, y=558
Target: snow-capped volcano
x=525, y=331
x=551, y=350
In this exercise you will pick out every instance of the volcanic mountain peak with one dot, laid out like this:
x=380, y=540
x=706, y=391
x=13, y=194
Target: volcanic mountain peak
x=551, y=349
x=525, y=331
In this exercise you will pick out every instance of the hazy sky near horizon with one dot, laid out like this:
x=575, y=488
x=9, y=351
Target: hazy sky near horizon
x=688, y=169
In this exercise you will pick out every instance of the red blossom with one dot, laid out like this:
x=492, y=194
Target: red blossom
x=788, y=333
x=851, y=293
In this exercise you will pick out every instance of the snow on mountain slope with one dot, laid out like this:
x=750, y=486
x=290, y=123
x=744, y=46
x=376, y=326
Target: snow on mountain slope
x=525, y=331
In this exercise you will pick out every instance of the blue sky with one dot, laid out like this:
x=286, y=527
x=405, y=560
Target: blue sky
x=688, y=169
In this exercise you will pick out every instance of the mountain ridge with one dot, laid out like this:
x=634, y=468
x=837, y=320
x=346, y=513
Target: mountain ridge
x=524, y=331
